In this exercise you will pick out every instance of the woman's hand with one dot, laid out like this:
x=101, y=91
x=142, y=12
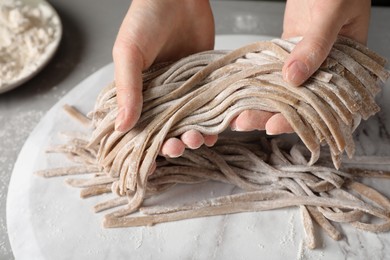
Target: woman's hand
x=319, y=22
x=156, y=31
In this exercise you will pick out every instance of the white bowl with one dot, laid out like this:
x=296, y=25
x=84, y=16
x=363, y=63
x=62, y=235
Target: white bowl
x=39, y=64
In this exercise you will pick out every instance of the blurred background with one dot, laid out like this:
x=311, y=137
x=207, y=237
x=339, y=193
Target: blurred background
x=374, y=2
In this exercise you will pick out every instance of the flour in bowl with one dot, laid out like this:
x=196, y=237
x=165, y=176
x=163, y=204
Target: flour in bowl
x=27, y=33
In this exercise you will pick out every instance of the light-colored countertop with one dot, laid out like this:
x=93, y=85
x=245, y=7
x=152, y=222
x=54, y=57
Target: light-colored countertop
x=90, y=28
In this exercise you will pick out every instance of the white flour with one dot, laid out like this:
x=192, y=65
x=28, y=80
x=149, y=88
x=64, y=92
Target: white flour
x=26, y=33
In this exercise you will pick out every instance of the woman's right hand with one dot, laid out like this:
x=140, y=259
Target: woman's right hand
x=156, y=31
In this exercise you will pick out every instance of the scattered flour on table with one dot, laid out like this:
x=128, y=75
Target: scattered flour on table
x=290, y=236
x=26, y=36
x=11, y=143
x=304, y=253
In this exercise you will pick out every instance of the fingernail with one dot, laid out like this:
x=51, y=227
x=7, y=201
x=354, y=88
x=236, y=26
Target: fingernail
x=297, y=72
x=120, y=119
x=269, y=133
x=278, y=133
x=234, y=127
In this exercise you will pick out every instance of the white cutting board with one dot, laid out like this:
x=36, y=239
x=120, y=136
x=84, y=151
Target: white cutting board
x=47, y=220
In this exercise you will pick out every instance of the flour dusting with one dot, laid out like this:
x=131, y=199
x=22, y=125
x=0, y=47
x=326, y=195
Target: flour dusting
x=23, y=122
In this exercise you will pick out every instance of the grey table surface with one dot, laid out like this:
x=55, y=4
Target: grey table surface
x=90, y=27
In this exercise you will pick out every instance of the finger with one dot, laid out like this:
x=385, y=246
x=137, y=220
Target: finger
x=138, y=42
x=278, y=124
x=192, y=139
x=315, y=45
x=210, y=140
x=173, y=147
x=128, y=79
x=129, y=63
x=250, y=120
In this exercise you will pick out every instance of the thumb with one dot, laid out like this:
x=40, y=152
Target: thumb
x=312, y=50
x=128, y=64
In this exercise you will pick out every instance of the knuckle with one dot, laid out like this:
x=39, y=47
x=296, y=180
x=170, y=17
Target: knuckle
x=320, y=45
x=118, y=49
x=122, y=91
x=317, y=49
x=124, y=47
